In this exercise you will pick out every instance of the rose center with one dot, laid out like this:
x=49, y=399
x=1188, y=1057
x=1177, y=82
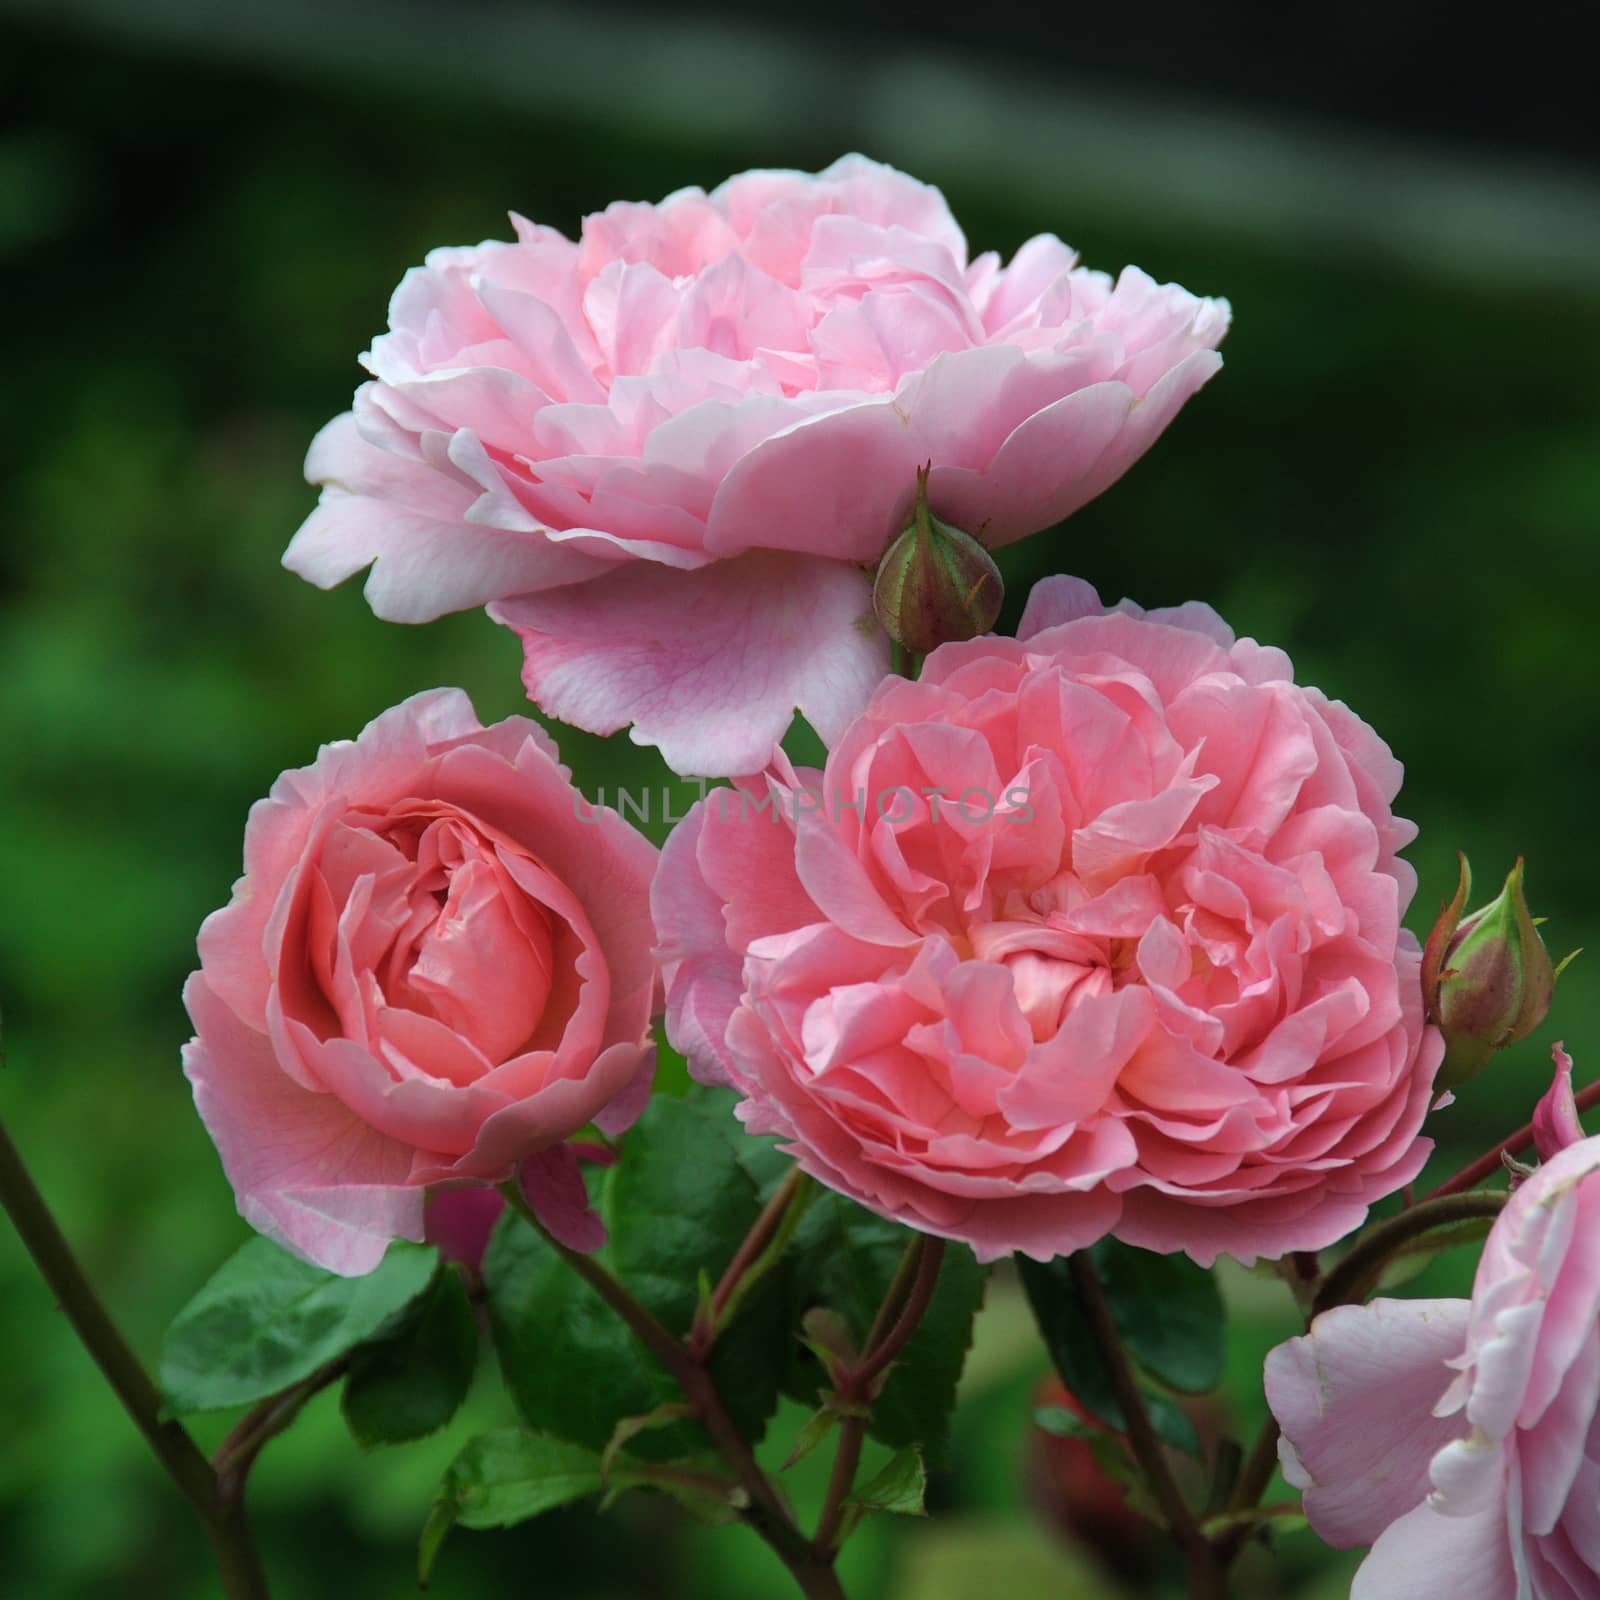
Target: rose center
x=1052, y=971
x=474, y=952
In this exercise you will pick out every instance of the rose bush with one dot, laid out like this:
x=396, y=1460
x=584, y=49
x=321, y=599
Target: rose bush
x=1464, y=1436
x=1139, y=970
x=1083, y=944
x=435, y=968
x=664, y=451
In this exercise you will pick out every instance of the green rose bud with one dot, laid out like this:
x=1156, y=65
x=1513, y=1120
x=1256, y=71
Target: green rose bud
x=1487, y=979
x=935, y=583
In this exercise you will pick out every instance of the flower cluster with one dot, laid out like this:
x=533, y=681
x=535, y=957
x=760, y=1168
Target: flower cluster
x=1155, y=985
x=1088, y=934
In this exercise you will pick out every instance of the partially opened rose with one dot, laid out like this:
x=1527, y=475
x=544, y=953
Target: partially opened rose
x=1464, y=1436
x=664, y=452
x=1096, y=929
x=435, y=968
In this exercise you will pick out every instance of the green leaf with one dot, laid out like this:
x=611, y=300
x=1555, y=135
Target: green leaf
x=916, y=1403
x=509, y=1475
x=629, y=1428
x=441, y=1519
x=900, y=1486
x=845, y=1259
x=1064, y=1424
x=698, y=1483
x=1169, y=1313
x=767, y=1165
x=677, y=1203
x=502, y=1478
x=572, y=1366
x=817, y=1428
x=1172, y=1423
x=829, y=1337
x=408, y=1383
x=679, y=1200
x=267, y=1319
x=1076, y=1357
x=681, y=1203
x=1048, y=1285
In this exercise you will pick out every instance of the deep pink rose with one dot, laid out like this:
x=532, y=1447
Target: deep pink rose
x=665, y=451
x=433, y=970
x=1161, y=991
x=1463, y=1436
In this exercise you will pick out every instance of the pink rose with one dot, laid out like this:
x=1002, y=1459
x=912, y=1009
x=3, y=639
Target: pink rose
x=1463, y=1436
x=1139, y=970
x=665, y=452
x=433, y=970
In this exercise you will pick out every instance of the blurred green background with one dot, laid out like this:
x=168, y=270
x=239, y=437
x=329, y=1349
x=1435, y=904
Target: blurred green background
x=1394, y=478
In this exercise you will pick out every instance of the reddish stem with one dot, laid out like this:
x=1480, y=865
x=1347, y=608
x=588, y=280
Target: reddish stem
x=1204, y=1570
x=884, y=1347
x=1346, y=1283
x=758, y=1253
x=1489, y=1163
x=903, y=1305
x=264, y=1421
x=765, y=1512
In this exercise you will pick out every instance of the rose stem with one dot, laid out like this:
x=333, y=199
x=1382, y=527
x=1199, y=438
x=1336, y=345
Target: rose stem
x=1488, y=1164
x=1350, y=1277
x=1345, y=1283
x=765, y=1511
x=1254, y=1477
x=760, y=1251
x=903, y=1305
x=1205, y=1573
x=265, y=1421
x=221, y=1514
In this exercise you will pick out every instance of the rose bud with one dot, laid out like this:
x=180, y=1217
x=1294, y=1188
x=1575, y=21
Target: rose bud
x=935, y=583
x=1555, y=1118
x=1486, y=978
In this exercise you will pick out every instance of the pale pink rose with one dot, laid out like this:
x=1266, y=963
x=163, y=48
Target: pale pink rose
x=1162, y=991
x=664, y=452
x=435, y=968
x=1461, y=1439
